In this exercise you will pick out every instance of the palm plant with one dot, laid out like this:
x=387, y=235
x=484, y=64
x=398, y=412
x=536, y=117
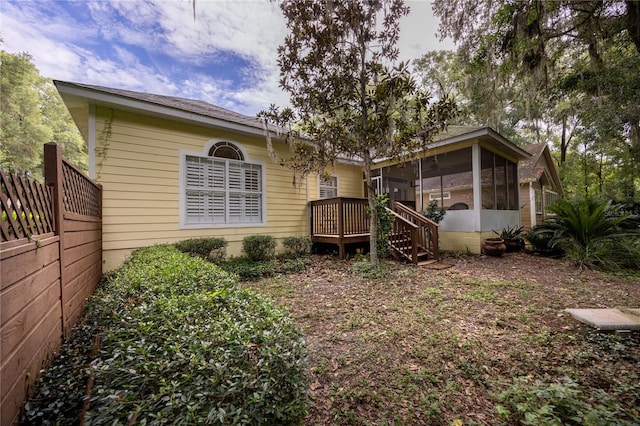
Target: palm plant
x=589, y=233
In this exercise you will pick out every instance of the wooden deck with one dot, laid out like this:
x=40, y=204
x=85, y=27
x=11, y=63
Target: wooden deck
x=343, y=221
x=339, y=221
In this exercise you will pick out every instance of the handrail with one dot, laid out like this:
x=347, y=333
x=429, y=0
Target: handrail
x=403, y=237
x=403, y=219
x=427, y=235
x=414, y=214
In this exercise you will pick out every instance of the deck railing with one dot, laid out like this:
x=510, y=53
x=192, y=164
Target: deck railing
x=346, y=220
x=339, y=216
x=427, y=233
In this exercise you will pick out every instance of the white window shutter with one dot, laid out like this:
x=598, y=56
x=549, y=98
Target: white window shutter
x=222, y=191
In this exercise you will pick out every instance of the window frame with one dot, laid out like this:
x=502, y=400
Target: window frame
x=321, y=185
x=183, y=154
x=437, y=196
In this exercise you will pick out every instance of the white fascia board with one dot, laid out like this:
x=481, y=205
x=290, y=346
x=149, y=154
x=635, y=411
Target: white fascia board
x=475, y=134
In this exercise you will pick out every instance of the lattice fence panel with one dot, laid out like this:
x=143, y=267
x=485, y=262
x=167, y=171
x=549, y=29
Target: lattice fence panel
x=26, y=207
x=81, y=195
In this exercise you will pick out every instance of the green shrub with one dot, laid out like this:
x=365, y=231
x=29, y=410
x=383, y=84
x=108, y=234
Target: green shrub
x=590, y=233
x=297, y=246
x=385, y=225
x=537, y=403
x=433, y=212
x=250, y=270
x=259, y=247
x=181, y=343
x=540, y=239
x=213, y=249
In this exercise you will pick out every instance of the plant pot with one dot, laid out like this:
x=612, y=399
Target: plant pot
x=494, y=247
x=514, y=244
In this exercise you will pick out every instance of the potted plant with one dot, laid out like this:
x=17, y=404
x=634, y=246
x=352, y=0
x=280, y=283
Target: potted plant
x=513, y=237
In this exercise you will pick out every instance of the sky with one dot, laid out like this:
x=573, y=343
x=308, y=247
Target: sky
x=226, y=56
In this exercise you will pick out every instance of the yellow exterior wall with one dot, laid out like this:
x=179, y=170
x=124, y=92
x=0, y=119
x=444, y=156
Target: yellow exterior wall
x=138, y=164
x=350, y=182
x=463, y=241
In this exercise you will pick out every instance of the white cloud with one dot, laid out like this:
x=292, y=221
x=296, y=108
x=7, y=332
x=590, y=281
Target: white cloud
x=123, y=44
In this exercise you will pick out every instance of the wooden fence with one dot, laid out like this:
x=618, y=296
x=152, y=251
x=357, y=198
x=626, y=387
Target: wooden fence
x=50, y=263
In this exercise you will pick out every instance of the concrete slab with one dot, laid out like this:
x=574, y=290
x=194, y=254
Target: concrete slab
x=608, y=319
x=635, y=312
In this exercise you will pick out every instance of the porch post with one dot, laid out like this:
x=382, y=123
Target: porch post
x=420, y=184
x=532, y=203
x=477, y=186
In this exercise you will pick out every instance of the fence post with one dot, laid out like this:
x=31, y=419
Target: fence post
x=53, y=179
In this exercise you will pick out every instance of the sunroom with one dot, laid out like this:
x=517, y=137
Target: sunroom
x=471, y=172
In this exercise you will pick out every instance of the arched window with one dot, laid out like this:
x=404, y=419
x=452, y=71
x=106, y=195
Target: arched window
x=226, y=150
x=222, y=188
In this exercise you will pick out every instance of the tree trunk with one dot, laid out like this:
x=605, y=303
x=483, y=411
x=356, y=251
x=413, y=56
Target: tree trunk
x=373, y=216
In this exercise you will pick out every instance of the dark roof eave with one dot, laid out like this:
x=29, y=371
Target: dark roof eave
x=96, y=96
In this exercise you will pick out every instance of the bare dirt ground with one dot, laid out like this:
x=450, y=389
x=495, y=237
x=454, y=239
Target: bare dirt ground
x=436, y=346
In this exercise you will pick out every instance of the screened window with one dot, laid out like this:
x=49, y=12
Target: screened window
x=538, y=200
x=222, y=190
x=447, y=178
x=499, y=182
x=328, y=187
x=551, y=198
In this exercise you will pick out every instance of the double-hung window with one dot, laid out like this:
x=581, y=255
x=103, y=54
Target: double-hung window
x=221, y=191
x=328, y=187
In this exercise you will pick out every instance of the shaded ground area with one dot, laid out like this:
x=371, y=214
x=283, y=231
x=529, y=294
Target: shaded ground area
x=437, y=346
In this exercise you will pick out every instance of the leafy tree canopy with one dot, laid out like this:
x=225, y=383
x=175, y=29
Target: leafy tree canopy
x=564, y=70
x=349, y=95
x=32, y=114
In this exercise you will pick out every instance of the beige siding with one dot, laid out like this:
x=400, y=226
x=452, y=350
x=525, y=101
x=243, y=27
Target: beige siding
x=526, y=204
x=138, y=164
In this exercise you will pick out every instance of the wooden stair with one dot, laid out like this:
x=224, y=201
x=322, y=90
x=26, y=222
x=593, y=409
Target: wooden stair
x=413, y=238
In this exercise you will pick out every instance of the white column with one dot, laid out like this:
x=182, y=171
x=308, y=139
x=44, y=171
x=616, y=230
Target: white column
x=477, y=186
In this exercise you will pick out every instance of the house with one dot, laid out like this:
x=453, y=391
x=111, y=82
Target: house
x=540, y=185
x=174, y=168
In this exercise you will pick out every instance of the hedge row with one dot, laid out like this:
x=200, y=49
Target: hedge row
x=181, y=343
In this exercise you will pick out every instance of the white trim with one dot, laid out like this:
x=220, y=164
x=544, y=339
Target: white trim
x=444, y=195
x=91, y=142
x=97, y=97
x=532, y=204
x=420, y=184
x=182, y=189
x=212, y=142
x=476, y=170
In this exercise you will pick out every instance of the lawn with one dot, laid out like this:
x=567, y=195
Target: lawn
x=482, y=341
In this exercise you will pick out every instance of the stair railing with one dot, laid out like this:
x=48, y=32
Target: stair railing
x=403, y=237
x=427, y=234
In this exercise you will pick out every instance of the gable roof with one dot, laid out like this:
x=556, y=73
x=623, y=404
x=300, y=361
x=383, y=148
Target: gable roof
x=78, y=97
x=455, y=134
x=540, y=165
